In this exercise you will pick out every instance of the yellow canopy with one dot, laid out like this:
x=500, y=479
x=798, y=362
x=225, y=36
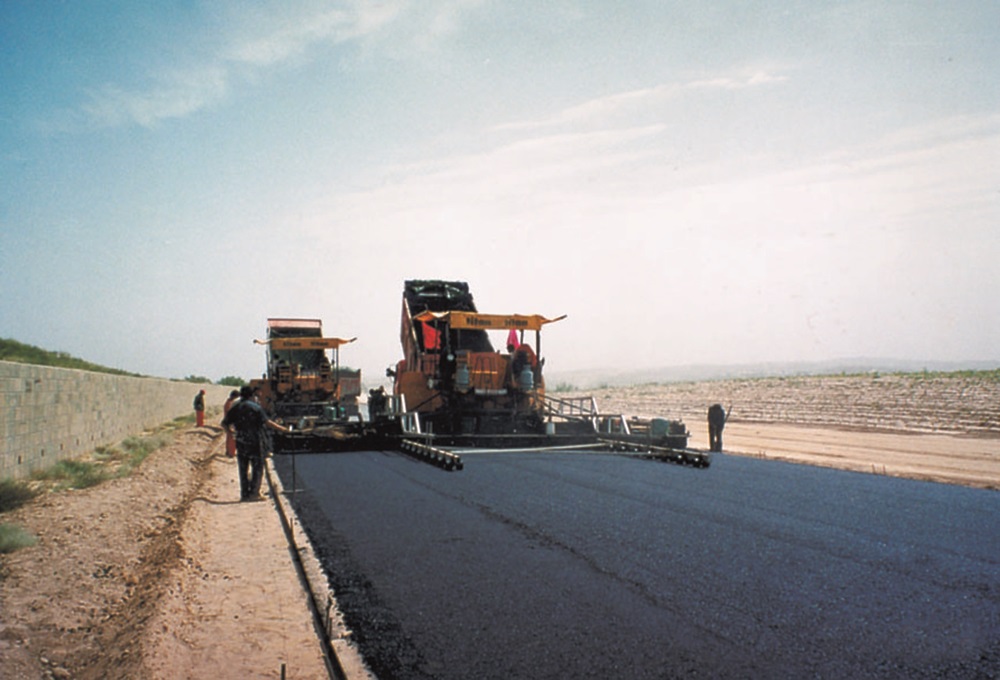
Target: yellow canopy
x=533, y=322
x=304, y=343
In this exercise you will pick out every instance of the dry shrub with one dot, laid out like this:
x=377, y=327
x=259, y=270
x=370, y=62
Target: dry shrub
x=14, y=494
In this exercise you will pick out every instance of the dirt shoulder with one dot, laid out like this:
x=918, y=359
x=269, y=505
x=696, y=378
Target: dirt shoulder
x=162, y=574
x=947, y=459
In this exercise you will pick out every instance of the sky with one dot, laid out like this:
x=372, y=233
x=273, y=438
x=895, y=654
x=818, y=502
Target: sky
x=715, y=182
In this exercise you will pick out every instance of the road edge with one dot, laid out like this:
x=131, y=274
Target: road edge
x=343, y=659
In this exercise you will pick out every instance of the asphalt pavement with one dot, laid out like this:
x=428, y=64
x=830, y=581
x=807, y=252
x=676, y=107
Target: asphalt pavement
x=583, y=565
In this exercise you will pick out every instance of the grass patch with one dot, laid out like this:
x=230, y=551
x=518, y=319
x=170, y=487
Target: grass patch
x=12, y=350
x=14, y=494
x=182, y=421
x=108, y=455
x=74, y=474
x=106, y=462
x=13, y=537
x=137, y=449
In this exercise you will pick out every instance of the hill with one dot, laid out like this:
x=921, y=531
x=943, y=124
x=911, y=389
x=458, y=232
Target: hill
x=18, y=352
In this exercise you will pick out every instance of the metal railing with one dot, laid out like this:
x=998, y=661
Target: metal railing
x=573, y=407
x=613, y=424
x=395, y=406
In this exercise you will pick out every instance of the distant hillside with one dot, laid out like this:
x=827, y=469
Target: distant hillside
x=607, y=377
x=18, y=352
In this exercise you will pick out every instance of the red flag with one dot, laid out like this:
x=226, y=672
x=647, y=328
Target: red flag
x=512, y=340
x=432, y=339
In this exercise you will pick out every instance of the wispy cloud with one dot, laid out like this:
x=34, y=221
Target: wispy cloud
x=736, y=83
x=529, y=158
x=938, y=132
x=288, y=36
x=923, y=174
x=177, y=95
x=623, y=180
x=603, y=109
x=542, y=184
x=293, y=36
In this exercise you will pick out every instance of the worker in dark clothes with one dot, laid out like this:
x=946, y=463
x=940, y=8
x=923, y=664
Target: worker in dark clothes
x=717, y=417
x=199, y=408
x=250, y=422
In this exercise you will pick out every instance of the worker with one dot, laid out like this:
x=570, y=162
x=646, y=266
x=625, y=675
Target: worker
x=251, y=423
x=377, y=401
x=717, y=417
x=199, y=408
x=523, y=356
x=230, y=439
x=523, y=363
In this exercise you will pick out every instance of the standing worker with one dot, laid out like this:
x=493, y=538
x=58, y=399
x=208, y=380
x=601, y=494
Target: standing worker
x=250, y=422
x=230, y=439
x=199, y=408
x=717, y=417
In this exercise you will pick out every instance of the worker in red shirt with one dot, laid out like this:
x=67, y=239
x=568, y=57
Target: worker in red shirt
x=230, y=439
x=199, y=408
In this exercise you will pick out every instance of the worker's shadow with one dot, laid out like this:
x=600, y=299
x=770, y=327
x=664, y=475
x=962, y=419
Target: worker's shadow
x=207, y=432
x=215, y=501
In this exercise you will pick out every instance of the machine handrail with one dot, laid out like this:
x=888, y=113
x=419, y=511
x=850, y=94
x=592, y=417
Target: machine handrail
x=409, y=420
x=582, y=407
x=613, y=423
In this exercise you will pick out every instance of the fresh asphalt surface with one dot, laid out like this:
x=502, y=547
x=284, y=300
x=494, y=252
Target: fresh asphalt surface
x=582, y=565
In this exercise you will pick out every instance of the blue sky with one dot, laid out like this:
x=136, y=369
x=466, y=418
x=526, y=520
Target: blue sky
x=711, y=182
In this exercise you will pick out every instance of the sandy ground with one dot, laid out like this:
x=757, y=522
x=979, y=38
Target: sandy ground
x=966, y=460
x=943, y=428
x=163, y=574
x=227, y=611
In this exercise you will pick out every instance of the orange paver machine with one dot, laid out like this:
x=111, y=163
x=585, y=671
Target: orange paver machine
x=454, y=378
x=305, y=387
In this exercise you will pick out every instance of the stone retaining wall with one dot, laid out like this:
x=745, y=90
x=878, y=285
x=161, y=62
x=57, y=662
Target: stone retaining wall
x=49, y=414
